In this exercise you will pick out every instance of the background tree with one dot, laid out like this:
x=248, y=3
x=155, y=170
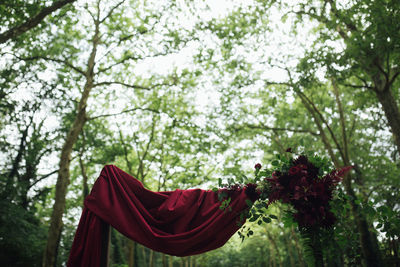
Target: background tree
x=330, y=124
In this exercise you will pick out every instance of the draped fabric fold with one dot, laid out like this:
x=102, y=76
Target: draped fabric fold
x=179, y=223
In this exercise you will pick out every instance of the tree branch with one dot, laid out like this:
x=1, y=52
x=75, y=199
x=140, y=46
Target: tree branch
x=146, y=151
x=32, y=22
x=342, y=122
x=325, y=122
x=309, y=105
x=265, y=127
x=126, y=38
x=65, y=62
x=391, y=81
x=349, y=25
x=121, y=61
x=376, y=63
x=111, y=11
x=42, y=178
x=128, y=163
x=122, y=112
x=129, y=85
x=357, y=86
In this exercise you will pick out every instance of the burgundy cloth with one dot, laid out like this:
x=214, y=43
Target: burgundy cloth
x=179, y=223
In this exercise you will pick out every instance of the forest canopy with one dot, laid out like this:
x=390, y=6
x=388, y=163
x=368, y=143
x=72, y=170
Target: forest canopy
x=184, y=94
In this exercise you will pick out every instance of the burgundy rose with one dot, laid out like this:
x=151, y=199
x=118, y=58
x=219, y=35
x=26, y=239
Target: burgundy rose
x=301, y=160
x=276, y=174
x=257, y=166
x=251, y=191
x=294, y=170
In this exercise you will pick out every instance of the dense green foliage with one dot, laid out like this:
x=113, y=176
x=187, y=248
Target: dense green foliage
x=183, y=93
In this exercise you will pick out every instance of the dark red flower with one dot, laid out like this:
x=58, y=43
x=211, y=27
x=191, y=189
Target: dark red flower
x=294, y=170
x=251, y=191
x=301, y=160
x=257, y=166
x=289, y=150
x=276, y=174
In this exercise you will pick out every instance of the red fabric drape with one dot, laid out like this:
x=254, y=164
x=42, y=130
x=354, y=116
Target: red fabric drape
x=179, y=223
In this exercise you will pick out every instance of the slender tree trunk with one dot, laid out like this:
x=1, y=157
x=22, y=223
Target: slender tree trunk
x=9, y=188
x=144, y=254
x=85, y=187
x=61, y=187
x=289, y=249
x=117, y=253
x=164, y=260
x=170, y=262
x=105, y=245
x=298, y=249
x=369, y=244
x=151, y=258
x=392, y=113
x=132, y=254
x=65, y=159
x=276, y=248
x=272, y=261
x=316, y=246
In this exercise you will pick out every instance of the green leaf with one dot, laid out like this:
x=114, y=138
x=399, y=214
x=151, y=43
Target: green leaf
x=266, y=219
x=249, y=203
x=260, y=206
x=275, y=163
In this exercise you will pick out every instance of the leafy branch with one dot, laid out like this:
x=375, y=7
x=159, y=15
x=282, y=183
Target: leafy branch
x=33, y=21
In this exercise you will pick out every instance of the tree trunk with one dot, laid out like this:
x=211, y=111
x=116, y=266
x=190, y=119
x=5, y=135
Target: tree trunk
x=272, y=261
x=9, y=187
x=298, y=248
x=316, y=247
x=144, y=254
x=132, y=254
x=151, y=258
x=278, y=254
x=371, y=255
x=85, y=187
x=392, y=113
x=61, y=187
x=289, y=249
x=164, y=260
x=369, y=248
x=65, y=160
x=105, y=245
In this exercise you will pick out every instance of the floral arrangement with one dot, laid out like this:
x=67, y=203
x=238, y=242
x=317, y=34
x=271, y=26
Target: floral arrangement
x=305, y=182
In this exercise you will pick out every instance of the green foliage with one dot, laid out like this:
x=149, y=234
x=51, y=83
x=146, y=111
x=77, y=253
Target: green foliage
x=22, y=236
